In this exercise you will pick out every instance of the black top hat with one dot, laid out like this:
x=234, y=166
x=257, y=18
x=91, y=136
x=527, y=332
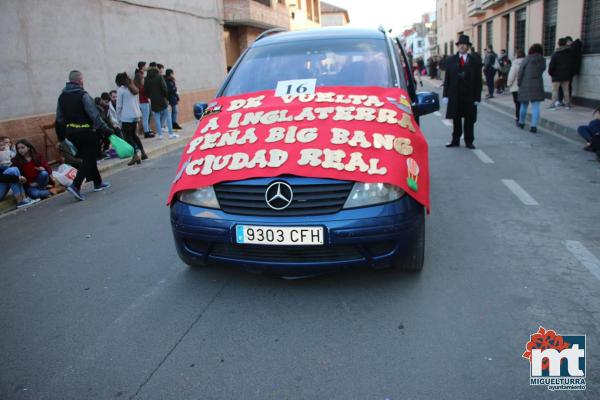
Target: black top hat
x=463, y=39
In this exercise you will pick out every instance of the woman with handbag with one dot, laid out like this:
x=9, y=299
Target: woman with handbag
x=128, y=114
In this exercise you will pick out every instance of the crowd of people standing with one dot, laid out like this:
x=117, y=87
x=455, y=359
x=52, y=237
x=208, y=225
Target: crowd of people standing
x=86, y=127
x=523, y=78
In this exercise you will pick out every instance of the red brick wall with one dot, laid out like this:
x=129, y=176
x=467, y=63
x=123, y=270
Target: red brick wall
x=44, y=140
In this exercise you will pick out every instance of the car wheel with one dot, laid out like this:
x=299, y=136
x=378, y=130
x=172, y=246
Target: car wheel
x=413, y=262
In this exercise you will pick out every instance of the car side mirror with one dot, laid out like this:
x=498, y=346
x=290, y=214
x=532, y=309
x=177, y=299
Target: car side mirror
x=427, y=103
x=199, y=109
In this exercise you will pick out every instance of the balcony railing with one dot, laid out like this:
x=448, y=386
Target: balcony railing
x=485, y=4
x=256, y=13
x=474, y=8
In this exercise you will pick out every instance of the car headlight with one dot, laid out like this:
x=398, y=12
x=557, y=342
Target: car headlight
x=203, y=197
x=366, y=194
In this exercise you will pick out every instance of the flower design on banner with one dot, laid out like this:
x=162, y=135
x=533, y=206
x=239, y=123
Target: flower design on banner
x=413, y=174
x=545, y=339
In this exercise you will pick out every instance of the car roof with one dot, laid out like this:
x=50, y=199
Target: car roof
x=321, y=33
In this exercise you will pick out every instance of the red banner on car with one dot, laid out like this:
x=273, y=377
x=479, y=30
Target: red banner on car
x=363, y=134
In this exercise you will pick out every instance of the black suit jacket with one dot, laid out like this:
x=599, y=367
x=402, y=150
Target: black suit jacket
x=462, y=86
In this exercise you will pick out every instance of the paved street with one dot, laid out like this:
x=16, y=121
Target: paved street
x=95, y=303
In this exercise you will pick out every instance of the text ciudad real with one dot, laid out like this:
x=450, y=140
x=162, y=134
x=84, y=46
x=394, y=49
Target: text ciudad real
x=238, y=127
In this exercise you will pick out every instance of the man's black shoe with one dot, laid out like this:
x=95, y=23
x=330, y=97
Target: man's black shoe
x=453, y=144
x=470, y=146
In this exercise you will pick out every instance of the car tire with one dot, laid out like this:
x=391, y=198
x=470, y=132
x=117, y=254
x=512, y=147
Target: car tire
x=414, y=261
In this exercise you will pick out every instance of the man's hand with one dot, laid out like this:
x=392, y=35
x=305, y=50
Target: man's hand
x=34, y=184
x=476, y=103
x=22, y=180
x=445, y=100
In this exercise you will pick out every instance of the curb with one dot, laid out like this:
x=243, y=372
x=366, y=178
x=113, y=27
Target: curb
x=562, y=130
x=8, y=206
x=567, y=132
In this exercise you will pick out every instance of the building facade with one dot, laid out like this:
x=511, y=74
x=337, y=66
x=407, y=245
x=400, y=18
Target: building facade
x=451, y=21
x=420, y=40
x=514, y=24
x=39, y=46
x=333, y=15
x=304, y=14
x=517, y=24
x=244, y=20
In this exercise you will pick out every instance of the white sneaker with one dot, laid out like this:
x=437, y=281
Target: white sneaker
x=159, y=137
x=26, y=202
x=173, y=136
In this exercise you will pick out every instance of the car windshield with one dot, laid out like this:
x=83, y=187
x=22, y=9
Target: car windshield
x=332, y=62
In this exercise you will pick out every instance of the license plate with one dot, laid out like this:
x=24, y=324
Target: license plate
x=288, y=235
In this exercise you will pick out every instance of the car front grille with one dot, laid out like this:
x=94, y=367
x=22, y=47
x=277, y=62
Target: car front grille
x=307, y=199
x=285, y=254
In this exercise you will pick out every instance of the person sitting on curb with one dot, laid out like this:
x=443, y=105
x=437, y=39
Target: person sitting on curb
x=35, y=169
x=590, y=130
x=12, y=179
x=10, y=146
x=5, y=155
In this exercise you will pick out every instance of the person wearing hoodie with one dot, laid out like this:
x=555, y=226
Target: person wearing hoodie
x=531, y=85
x=78, y=120
x=513, y=83
x=173, y=97
x=156, y=90
x=561, y=69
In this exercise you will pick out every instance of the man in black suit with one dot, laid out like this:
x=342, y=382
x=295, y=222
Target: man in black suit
x=462, y=92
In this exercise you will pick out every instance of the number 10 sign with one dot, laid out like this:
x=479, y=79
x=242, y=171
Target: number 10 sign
x=295, y=87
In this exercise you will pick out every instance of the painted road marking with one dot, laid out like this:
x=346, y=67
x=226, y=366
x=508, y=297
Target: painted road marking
x=584, y=256
x=520, y=192
x=437, y=114
x=447, y=122
x=483, y=157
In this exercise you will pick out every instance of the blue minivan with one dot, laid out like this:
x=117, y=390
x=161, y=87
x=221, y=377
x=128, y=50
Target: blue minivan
x=293, y=225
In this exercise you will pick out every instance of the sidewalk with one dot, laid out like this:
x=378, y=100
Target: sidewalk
x=153, y=147
x=561, y=121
